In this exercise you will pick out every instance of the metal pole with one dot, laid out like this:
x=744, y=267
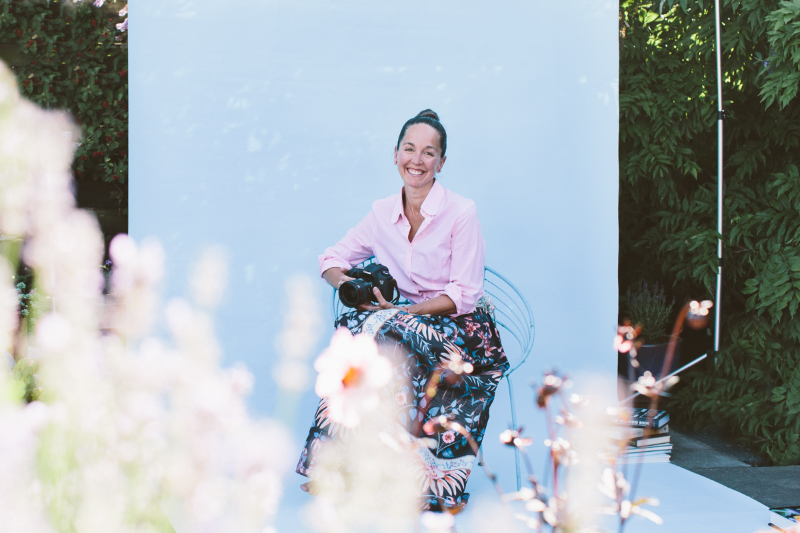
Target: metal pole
x=720, y=120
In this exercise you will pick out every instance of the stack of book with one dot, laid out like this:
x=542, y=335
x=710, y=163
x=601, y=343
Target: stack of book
x=784, y=518
x=653, y=448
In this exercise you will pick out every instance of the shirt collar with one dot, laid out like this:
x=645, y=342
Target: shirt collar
x=429, y=207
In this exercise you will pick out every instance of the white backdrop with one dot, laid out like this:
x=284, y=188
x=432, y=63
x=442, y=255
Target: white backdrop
x=268, y=127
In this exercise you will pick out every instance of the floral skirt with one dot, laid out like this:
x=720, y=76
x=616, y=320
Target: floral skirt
x=418, y=345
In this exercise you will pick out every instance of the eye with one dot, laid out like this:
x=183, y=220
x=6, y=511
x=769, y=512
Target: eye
x=409, y=149
x=429, y=154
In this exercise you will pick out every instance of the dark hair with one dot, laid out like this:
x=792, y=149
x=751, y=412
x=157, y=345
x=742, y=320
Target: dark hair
x=430, y=118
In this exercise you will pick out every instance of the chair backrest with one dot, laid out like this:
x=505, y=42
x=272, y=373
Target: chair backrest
x=513, y=317
x=511, y=313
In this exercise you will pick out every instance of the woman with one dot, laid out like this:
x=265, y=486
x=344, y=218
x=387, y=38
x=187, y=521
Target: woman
x=430, y=240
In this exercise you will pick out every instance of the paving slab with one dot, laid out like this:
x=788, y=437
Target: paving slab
x=730, y=465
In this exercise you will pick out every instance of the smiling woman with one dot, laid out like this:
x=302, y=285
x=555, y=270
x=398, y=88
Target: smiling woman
x=445, y=347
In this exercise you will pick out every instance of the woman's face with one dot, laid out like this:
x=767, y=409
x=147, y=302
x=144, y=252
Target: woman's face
x=419, y=157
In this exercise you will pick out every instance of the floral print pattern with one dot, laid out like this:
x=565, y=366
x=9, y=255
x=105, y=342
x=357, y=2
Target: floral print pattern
x=418, y=345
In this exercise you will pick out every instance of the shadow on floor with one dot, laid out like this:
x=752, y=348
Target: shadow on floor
x=710, y=455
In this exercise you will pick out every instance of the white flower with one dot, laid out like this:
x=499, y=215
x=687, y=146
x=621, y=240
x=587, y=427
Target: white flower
x=123, y=25
x=351, y=373
x=437, y=522
x=99, y=3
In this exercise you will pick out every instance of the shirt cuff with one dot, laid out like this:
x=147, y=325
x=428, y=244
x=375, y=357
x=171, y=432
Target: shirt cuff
x=327, y=261
x=464, y=305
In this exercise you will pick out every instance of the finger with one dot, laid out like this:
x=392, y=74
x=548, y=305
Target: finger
x=381, y=301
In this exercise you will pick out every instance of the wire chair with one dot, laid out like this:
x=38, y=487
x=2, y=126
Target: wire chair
x=513, y=316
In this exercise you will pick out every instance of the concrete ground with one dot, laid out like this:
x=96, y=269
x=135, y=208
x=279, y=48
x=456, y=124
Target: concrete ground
x=712, y=456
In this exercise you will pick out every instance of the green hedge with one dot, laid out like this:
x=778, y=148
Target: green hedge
x=71, y=56
x=668, y=126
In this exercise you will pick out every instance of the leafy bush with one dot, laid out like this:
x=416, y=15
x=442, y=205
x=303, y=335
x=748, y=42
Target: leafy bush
x=668, y=124
x=71, y=56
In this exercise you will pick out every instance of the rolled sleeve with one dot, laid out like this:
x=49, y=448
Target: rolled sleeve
x=467, y=262
x=354, y=247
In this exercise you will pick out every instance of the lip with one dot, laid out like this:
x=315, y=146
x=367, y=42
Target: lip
x=413, y=171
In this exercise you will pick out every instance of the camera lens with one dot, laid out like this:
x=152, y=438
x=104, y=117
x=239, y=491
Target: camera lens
x=355, y=292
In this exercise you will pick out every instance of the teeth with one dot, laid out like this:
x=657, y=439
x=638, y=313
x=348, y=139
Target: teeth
x=414, y=172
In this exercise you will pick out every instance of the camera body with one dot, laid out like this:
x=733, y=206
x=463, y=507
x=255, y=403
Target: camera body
x=359, y=291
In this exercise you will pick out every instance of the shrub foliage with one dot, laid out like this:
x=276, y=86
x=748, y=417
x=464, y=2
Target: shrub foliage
x=71, y=56
x=668, y=136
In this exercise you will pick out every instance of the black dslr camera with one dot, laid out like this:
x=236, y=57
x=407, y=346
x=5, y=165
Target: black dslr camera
x=358, y=291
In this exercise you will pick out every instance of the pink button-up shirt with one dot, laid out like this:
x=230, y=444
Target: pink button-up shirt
x=446, y=256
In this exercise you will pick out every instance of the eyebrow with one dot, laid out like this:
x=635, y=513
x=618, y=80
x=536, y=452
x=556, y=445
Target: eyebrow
x=429, y=147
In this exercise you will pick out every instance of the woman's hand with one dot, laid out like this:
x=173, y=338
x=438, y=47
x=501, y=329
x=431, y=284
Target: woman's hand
x=335, y=277
x=382, y=303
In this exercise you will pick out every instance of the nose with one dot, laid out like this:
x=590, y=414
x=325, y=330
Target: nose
x=417, y=159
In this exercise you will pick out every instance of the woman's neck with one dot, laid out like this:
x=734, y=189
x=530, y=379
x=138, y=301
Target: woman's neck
x=414, y=197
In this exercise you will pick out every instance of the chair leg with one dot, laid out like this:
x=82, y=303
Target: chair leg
x=517, y=457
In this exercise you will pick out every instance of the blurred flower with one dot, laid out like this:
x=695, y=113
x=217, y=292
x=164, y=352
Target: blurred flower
x=647, y=385
x=698, y=315
x=550, y=385
x=561, y=451
x=301, y=330
x=512, y=437
x=209, y=278
x=448, y=437
x=437, y=522
x=436, y=424
x=130, y=419
x=99, y=3
x=351, y=374
x=401, y=398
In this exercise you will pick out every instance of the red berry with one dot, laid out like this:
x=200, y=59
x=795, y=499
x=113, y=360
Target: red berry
x=33, y=62
x=105, y=105
x=41, y=27
x=108, y=138
x=123, y=153
x=19, y=33
x=83, y=158
x=80, y=54
x=94, y=23
x=79, y=173
x=119, y=134
x=25, y=83
x=116, y=177
x=29, y=43
x=123, y=72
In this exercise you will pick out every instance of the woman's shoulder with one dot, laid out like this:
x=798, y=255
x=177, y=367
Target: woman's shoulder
x=460, y=204
x=386, y=205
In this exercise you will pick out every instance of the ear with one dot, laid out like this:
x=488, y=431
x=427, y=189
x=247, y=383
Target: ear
x=441, y=164
x=395, y=155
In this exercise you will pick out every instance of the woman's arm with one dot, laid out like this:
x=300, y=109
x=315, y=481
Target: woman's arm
x=438, y=305
x=467, y=262
x=352, y=249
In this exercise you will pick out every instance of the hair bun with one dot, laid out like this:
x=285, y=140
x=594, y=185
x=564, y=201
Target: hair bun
x=428, y=113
